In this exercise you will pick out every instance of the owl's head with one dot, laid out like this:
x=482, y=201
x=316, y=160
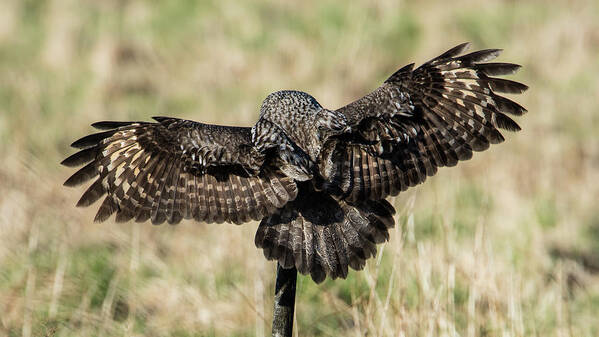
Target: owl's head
x=289, y=103
x=297, y=116
x=291, y=109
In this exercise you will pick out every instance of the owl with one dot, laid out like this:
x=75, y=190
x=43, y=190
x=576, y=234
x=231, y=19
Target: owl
x=315, y=178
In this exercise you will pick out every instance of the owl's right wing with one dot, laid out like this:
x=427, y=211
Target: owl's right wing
x=419, y=120
x=177, y=169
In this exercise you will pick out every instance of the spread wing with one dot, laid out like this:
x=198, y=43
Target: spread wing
x=177, y=169
x=419, y=120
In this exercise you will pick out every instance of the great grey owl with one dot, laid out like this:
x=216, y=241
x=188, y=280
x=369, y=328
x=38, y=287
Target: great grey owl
x=316, y=178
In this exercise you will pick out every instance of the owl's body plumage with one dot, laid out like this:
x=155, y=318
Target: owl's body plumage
x=316, y=178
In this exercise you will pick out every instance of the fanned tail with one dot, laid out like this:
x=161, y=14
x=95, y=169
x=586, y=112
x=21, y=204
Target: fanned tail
x=322, y=236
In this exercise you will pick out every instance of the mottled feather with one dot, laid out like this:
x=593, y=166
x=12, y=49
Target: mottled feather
x=422, y=119
x=322, y=236
x=147, y=169
x=316, y=178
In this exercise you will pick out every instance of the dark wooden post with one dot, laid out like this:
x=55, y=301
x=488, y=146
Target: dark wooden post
x=282, y=322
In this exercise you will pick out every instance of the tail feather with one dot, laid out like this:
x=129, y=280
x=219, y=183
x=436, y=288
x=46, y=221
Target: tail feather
x=322, y=236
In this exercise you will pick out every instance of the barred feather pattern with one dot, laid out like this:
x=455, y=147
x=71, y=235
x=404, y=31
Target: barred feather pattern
x=174, y=170
x=316, y=178
x=420, y=120
x=322, y=236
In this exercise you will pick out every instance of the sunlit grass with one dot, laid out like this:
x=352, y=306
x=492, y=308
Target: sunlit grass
x=506, y=244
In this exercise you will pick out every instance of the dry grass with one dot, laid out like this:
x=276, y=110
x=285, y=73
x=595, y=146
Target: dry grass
x=506, y=244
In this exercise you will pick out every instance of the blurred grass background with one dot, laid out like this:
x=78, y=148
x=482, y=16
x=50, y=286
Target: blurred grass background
x=506, y=244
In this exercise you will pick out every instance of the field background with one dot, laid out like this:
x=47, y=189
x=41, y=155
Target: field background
x=506, y=244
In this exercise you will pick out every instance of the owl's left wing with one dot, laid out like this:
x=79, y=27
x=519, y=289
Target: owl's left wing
x=419, y=120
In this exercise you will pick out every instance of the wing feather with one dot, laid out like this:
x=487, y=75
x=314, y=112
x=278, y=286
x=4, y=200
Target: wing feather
x=138, y=185
x=177, y=169
x=419, y=120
